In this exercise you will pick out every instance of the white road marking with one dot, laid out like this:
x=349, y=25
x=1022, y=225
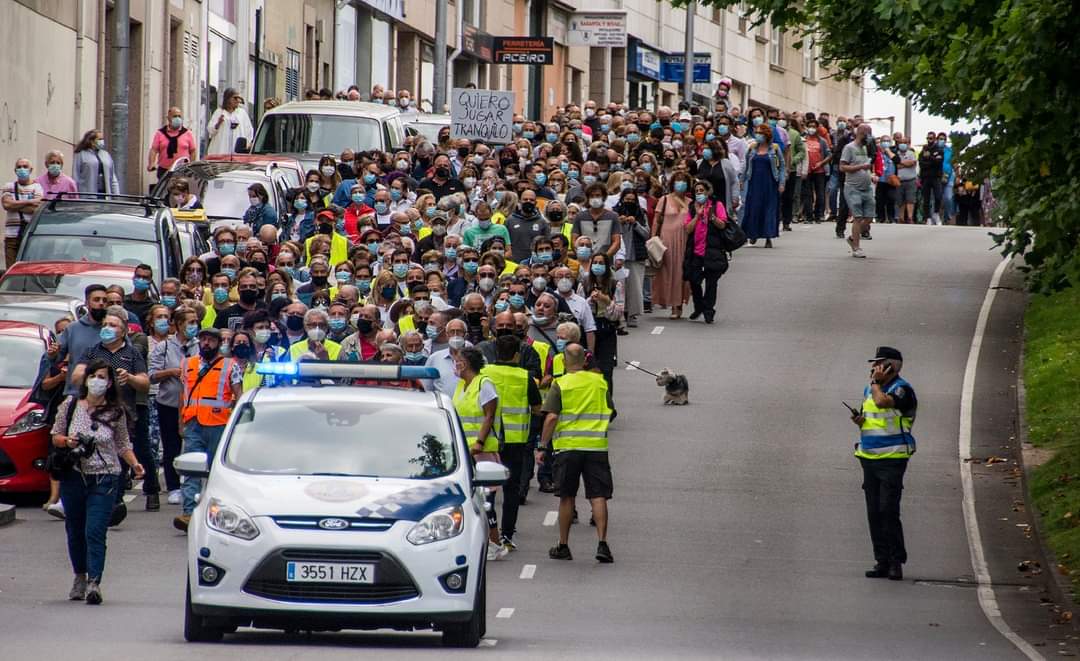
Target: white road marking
x=527, y=572
x=128, y=498
x=489, y=642
x=987, y=599
x=632, y=365
x=505, y=613
x=551, y=518
x=657, y=330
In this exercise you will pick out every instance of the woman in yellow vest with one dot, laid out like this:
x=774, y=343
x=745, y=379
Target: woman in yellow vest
x=477, y=404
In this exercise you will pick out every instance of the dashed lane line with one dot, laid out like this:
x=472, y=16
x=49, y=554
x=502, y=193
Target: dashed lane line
x=527, y=572
x=505, y=613
x=551, y=518
x=657, y=330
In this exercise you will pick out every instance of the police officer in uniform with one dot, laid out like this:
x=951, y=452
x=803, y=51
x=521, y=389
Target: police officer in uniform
x=884, y=447
x=576, y=426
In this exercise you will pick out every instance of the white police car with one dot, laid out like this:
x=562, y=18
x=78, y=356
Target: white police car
x=332, y=507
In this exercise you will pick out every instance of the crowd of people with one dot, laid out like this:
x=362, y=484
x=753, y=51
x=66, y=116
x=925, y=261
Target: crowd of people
x=459, y=255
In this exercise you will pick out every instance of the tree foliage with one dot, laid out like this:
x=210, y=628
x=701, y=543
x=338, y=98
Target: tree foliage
x=1010, y=64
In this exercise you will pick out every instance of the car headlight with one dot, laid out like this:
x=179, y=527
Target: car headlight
x=32, y=420
x=437, y=526
x=230, y=520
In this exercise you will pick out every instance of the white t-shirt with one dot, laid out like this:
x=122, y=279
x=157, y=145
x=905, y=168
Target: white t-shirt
x=487, y=392
x=31, y=191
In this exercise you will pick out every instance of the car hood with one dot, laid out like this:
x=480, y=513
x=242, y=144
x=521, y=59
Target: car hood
x=12, y=403
x=377, y=498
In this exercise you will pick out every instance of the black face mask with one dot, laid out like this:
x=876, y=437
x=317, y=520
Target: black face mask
x=258, y=266
x=668, y=162
x=643, y=127
x=555, y=216
x=528, y=208
x=442, y=173
x=319, y=280
x=249, y=296
x=630, y=208
x=520, y=332
x=462, y=152
x=295, y=322
x=504, y=332
x=421, y=326
x=412, y=285
x=97, y=314
x=261, y=291
x=364, y=326
x=326, y=229
x=241, y=351
x=474, y=318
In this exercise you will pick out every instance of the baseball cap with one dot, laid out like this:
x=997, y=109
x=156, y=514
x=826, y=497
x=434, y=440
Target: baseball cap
x=213, y=332
x=886, y=353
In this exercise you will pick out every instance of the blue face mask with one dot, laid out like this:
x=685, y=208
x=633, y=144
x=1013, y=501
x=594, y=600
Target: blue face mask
x=543, y=257
x=501, y=306
x=722, y=129
x=560, y=345
x=168, y=301
x=107, y=334
x=604, y=128
x=706, y=154
x=451, y=253
x=632, y=138
x=400, y=270
x=337, y=325
x=395, y=194
x=654, y=125
x=757, y=121
x=584, y=252
x=564, y=166
x=140, y=284
x=484, y=223
x=363, y=286
x=941, y=144
x=339, y=225
x=700, y=198
x=54, y=169
x=343, y=277
x=552, y=137
x=431, y=332
x=225, y=249
x=278, y=295
x=517, y=301
x=710, y=137
x=230, y=272
x=161, y=326
x=680, y=186
x=590, y=179
x=431, y=211
x=389, y=293
x=357, y=198
x=221, y=295
x=373, y=247
x=382, y=208
x=540, y=178
x=499, y=195
x=677, y=127
x=470, y=267
x=573, y=174
x=418, y=224
x=369, y=178
x=598, y=269
x=772, y=123
x=22, y=173
x=528, y=135
x=300, y=204
x=190, y=330
x=517, y=127
x=647, y=167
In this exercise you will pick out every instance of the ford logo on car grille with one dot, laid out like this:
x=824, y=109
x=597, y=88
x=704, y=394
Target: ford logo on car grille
x=333, y=524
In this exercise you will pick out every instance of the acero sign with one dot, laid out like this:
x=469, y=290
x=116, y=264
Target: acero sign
x=523, y=50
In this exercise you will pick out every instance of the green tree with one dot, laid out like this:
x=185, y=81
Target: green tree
x=1009, y=64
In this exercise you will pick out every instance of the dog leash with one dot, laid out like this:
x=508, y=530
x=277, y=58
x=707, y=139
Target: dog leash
x=641, y=369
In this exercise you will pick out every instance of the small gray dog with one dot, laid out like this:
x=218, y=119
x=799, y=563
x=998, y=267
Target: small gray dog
x=676, y=388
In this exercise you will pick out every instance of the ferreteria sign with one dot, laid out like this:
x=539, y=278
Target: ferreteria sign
x=486, y=115
x=523, y=50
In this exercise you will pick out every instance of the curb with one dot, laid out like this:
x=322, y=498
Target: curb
x=1060, y=585
x=7, y=514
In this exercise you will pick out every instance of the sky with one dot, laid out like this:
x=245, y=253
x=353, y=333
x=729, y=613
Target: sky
x=879, y=103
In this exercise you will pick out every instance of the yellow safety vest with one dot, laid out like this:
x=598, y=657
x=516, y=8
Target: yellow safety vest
x=584, y=417
x=512, y=384
x=885, y=433
x=405, y=324
x=471, y=414
x=339, y=249
x=301, y=347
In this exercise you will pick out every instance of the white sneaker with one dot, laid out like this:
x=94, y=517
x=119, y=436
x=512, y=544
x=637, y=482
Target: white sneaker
x=858, y=253
x=56, y=509
x=496, y=552
x=175, y=496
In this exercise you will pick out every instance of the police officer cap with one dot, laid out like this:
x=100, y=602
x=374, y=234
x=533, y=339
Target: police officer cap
x=212, y=332
x=884, y=353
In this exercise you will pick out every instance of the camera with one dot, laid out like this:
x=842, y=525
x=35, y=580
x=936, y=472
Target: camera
x=67, y=459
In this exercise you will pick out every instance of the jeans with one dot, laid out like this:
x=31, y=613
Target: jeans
x=883, y=483
x=931, y=189
x=948, y=198
x=143, y=450
x=833, y=191
x=88, y=504
x=512, y=456
x=169, y=424
x=198, y=438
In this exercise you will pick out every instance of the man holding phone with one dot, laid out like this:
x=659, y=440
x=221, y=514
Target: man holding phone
x=884, y=447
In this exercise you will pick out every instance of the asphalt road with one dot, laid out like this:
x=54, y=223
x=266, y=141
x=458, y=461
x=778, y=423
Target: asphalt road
x=737, y=526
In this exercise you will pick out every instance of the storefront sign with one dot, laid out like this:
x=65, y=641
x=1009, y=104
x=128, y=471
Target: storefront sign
x=523, y=50
x=486, y=115
x=598, y=29
x=476, y=43
x=647, y=62
x=672, y=68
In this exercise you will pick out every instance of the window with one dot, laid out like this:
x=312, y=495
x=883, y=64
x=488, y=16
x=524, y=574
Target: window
x=316, y=134
x=744, y=17
x=809, y=63
x=776, y=46
x=292, y=75
x=19, y=361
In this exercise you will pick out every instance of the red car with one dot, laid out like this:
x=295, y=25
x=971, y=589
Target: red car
x=24, y=434
x=64, y=278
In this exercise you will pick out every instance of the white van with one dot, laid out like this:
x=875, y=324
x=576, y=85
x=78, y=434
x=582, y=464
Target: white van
x=306, y=130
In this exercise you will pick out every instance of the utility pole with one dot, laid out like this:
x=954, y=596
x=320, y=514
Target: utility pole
x=256, y=105
x=907, y=117
x=688, y=63
x=438, y=93
x=118, y=131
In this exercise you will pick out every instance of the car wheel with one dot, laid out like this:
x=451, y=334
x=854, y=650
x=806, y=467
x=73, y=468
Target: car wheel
x=469, y=633
x=195, y=628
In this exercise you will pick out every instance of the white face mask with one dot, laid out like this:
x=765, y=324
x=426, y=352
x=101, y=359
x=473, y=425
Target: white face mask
x=327, y=170
x=97, y=386
x=565, y=285
x=487, y=284
x=402, y=165
x=313, y=186
x=456, y=343
x=316, y=334
x=539, y=284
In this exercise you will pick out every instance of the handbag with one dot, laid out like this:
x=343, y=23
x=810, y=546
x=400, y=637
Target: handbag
x=732, y=236
x=893, y=180
x=655, y=250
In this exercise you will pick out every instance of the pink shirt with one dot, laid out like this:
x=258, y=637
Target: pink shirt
x=185, y=148
x=701, y=230
x=62, y=184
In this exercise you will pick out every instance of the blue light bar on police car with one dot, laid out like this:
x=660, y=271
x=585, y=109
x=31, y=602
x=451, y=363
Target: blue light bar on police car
x=329, y=369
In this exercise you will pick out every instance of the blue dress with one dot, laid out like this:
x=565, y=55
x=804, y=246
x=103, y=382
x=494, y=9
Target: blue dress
x=761, y=202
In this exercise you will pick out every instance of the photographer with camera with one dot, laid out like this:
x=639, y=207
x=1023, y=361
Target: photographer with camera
x=91, y=437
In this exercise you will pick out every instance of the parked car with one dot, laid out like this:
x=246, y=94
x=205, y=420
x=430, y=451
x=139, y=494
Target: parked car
x=24, y=431
x=193, y=238
x=290, y=167
x=126, y=230
x=222, y=186
x=428, y=125
x=68, y=279
x=306, y=130
x=42, y=309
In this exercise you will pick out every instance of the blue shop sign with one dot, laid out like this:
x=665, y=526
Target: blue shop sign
x=673, y=66
x=646, y=61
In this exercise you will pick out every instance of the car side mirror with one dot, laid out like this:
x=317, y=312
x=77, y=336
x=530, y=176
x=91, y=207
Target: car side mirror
x=241, y=146
x=193, y=464
x=489, y=474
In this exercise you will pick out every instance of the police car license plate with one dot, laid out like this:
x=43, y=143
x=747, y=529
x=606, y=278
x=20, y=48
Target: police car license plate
x=324, y=572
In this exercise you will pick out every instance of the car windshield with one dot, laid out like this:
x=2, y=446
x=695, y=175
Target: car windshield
x=330, y=439
x=51, y=247
x=316, y=134
x=227, y=198
x=43, y=316
x=19, y=358
x=65, y=284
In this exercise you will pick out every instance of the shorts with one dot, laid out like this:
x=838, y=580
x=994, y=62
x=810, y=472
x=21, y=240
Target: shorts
x=572, y=465
x=907, y=192
x=860, y=202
